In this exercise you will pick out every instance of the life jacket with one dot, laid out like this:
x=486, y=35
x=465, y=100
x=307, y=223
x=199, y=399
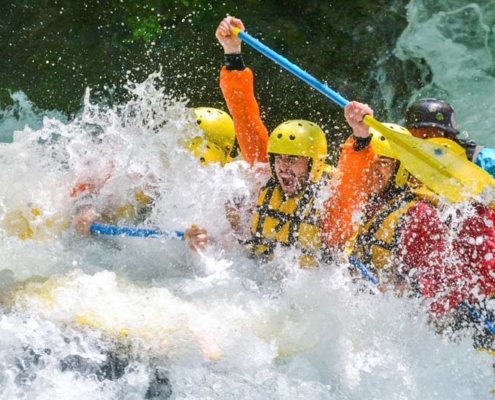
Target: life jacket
x=378, y=237
x=287, y=221
x=31, y=222
x=337, y=222
x=134, y=211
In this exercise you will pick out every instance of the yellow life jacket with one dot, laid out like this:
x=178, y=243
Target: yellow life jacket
x=286, y=221
x=31, y=222
x=134, y=211
x=377, y=238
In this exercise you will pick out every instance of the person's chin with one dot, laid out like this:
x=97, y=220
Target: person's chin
x=290, y=191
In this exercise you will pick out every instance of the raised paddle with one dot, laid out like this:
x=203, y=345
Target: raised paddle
x=443, y=171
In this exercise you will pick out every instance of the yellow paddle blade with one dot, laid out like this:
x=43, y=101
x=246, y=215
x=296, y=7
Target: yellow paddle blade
x=449, y=144
x=435, y=164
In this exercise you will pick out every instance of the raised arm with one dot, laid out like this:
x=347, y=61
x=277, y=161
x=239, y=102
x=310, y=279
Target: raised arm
x=342, y=209
x=236, y=82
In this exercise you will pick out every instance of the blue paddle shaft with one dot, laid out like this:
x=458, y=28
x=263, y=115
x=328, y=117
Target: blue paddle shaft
x=361, y=267
x=303, y=75
x=112, y=230
x=488, y=324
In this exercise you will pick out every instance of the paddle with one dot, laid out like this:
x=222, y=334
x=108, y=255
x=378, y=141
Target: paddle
x=443, y=171
x=356, y=262
x=361, y=267
x=112, y=230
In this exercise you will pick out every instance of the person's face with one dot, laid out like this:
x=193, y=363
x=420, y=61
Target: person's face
x=426, y=132
x=383, y=172
x=292, y=173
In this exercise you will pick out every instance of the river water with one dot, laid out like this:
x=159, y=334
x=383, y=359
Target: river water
x=133, y=318
x=453, y=43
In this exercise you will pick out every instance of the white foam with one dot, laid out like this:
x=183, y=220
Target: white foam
x=218, y=324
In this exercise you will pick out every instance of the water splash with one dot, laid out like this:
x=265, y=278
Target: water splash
x=22, y=113
x=130, y=318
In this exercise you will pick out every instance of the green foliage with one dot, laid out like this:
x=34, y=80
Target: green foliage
x=147, y=28
x=59, y=48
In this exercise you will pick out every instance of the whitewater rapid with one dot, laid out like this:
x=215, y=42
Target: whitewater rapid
x=210, y=325
x=132, y=318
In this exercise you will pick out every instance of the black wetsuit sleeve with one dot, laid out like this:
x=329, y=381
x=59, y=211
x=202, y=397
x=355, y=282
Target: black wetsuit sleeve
x=234, y=62
x=361, y=143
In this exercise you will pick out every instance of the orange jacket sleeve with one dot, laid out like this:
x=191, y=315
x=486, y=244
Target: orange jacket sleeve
x=252, y=135
x=341, y=210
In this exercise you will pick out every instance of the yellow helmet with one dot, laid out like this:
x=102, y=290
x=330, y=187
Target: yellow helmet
x=382, y=147
x=206, y=151
x=329, y=170
x=301, y=138
x=217, y=126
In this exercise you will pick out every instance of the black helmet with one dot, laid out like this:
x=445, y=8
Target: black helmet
x=431, y=112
